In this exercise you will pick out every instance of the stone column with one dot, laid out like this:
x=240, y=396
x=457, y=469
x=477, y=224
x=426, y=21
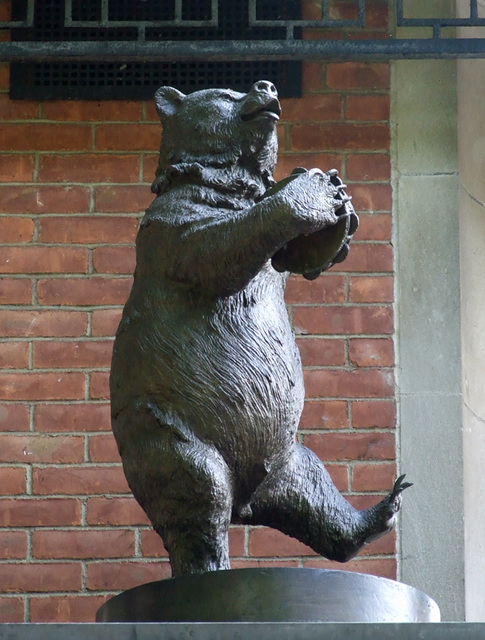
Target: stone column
x=471, y=152
x=428, y=322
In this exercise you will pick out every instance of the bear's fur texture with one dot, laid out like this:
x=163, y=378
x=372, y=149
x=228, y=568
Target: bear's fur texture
x=206, y=380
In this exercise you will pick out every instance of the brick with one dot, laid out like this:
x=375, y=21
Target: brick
x=368, y=166
x=13, y=545
x=369, y=258
x=12, y=480
x=34, y=448
x=352, y=446
x=41, y=577
x=151, y=112
x=47, y=512
x=368, y=108
x=361, y=383
x=83, y=544
x=325, y=414
x=14, y=417
x=78, y=608
x=11, y=609
x=371, y=197
x=237, y=541
x=73, y=417
x=14, y=355
x=115, y=511
x=103, y=448
x=99, y=387
x=105, y=322
x=375, y=226
x=91, y=110
x=384, y=546
x=375, y=477
x=73, y=355
x=321, y=352
x=69, y=480
x=312, y=108
x=114, y=260
x=84, y=291
x=45, y=137
x=15, y=290
x=150, y=163
x=382, y=567
x=358, y=75
x=43, y=260
x=312, y=76
x=123, y=198
x=339, y=136
x=89, y=229
x=16, y=168
x=327, y=288
x=343, y=320
x=368, y=352
x=372, y=289
x=4, y=76
x=17, y=109
x=243, y=563
x=364, y=500
x=16, y=230
x=377, y=15
x=44, y=199
x=89, y=167
x=265, y=542
x=42, y=323
x=152, y=545
x=128, y=137
x=125, y=575
x=42, y=386
x=370, y=414
x=340, y=476
x=289, y=161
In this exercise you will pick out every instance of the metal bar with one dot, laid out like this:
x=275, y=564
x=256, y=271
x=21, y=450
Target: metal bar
x=243, y=50
x=362, y=13
x=105, y=13
x=473, y=10
x=214, y=21
x=30, y=13
x=67, y=13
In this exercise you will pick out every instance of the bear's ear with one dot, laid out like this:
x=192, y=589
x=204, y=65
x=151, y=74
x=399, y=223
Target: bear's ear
x=168, y=101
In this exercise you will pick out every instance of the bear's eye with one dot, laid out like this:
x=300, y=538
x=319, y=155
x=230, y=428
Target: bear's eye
x=227, y=97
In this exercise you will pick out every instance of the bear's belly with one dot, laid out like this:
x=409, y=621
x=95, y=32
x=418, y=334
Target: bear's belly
x=231, y=374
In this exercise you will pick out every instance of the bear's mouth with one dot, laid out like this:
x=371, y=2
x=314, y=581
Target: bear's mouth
x=270, y=110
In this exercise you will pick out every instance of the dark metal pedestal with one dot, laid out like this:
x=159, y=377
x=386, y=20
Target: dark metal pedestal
x=272, y=595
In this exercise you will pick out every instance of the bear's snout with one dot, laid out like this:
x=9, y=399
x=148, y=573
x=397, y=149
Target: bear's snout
x=261, y=101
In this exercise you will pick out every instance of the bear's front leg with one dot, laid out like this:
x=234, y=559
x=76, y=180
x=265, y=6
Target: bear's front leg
x=311, y=254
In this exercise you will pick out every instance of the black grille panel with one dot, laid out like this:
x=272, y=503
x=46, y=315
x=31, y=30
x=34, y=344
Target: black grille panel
x=159, y=21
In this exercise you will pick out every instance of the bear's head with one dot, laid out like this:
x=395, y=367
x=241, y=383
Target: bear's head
x=220, y=128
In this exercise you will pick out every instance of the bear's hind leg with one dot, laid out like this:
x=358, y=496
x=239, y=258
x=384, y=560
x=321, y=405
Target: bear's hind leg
x=183, y=485
x=300, y=499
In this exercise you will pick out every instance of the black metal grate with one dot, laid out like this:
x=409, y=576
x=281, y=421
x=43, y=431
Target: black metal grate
x=121, y=32
x=84, y=20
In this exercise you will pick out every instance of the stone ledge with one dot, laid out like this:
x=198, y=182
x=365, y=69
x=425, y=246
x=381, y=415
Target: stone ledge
x=244, y=631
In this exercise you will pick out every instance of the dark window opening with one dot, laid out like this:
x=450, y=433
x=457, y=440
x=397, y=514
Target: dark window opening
x=139, y=80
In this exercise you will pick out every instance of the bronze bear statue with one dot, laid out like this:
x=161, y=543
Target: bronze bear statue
x=206, y=379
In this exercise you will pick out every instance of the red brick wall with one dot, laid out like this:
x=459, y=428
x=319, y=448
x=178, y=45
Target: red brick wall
x=75, y=180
